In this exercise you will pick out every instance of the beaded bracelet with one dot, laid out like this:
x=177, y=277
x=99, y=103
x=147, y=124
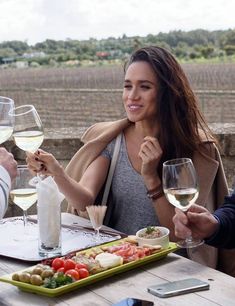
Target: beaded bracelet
x=155, y=193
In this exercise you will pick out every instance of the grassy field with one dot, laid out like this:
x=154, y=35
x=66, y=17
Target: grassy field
x=74, y=97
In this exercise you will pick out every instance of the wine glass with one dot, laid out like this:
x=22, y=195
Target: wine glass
x=6, y=120
x=28, y=131
x=96, y=214
x=180, y=186
x=24, y=196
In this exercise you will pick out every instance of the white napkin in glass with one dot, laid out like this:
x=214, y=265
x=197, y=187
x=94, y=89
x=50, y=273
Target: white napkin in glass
x=49, y=212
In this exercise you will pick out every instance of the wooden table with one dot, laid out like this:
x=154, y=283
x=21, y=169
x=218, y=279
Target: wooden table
x=129, y=284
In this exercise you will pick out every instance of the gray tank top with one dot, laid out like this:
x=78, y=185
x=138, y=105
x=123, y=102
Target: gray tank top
x=130, y=207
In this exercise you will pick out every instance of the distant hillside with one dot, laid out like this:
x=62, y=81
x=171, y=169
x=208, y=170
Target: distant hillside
x=192, y=45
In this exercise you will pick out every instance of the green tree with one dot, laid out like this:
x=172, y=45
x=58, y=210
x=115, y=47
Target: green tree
x=229, y=49
x=207, y=51
x=19, y=47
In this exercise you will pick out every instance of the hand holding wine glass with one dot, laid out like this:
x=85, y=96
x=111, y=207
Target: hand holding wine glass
x=6, y=120
x=180, y=186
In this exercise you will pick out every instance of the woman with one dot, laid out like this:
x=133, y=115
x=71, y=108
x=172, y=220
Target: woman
x=163, y=122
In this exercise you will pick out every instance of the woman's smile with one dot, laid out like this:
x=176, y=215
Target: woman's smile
x=140, y=92
x=134, y=107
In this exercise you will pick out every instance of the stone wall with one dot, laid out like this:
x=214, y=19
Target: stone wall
x=63, y=143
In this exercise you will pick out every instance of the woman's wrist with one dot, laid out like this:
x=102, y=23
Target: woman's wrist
x=155, y=193
x=152, y=182
x=59, y=173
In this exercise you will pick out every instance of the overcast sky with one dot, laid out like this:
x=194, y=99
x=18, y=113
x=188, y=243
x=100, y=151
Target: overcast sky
x=37, y=20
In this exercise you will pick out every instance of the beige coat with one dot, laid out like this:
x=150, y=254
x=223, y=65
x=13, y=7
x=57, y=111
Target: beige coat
x=212, y=183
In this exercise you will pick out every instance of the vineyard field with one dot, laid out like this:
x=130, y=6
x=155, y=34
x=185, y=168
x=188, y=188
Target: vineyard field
x=75, y=97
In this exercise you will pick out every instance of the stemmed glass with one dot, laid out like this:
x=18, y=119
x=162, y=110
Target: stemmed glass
x=24, y=196
x=6, y=120
x=180, y=186
x=96, y=214
x=28, y=130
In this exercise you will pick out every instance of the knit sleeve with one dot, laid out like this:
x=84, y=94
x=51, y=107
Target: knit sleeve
x=225, y=237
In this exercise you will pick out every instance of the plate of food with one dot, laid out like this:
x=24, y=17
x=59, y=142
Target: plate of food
x=54, y=277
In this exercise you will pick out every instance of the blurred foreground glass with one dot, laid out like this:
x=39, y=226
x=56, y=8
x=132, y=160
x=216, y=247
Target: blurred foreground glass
x=49, y=217
x=180, y=186
x=96, y=214
x=49, y=223
x=24, y=195
x=6, y=120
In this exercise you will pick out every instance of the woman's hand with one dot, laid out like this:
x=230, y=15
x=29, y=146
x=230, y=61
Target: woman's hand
x=150, y=154
x=43, y=163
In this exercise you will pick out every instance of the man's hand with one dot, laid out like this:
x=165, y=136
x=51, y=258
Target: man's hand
x=197, y=221
x=8, y=162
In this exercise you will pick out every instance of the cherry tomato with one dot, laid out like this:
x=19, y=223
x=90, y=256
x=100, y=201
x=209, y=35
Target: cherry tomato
x=83, y=273
x=57, y=263
x=61, y=270
x=80, y=265
x=69, y=264
x=73, y=273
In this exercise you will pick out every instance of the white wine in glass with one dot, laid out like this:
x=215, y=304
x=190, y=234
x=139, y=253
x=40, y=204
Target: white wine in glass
x=28, y=130
x=180, y=186
x=6, y=120
x=23, y=195
x=182, y=198
x=28, y=140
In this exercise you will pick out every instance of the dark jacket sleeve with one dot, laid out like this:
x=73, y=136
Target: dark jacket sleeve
x=225, y=236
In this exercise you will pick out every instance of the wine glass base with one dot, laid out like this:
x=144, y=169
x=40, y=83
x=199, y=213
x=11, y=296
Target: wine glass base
x=188, y=244
x=25, y=237
x=36, y=179
x=23, y=233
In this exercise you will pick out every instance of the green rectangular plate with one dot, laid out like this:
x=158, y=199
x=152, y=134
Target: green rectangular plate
x=90, y=279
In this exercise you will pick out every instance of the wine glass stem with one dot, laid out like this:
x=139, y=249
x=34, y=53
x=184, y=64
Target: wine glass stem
x=25, y=218
x=97, y=234
x=41, y=177
x=189, y=239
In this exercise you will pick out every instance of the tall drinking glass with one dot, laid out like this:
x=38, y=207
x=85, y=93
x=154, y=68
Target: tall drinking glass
x=180, y=186
x=6, y=120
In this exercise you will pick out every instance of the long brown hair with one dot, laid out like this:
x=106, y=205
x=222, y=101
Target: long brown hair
x=178, y=112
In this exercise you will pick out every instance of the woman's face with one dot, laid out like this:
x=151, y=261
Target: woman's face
x=140, y=92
